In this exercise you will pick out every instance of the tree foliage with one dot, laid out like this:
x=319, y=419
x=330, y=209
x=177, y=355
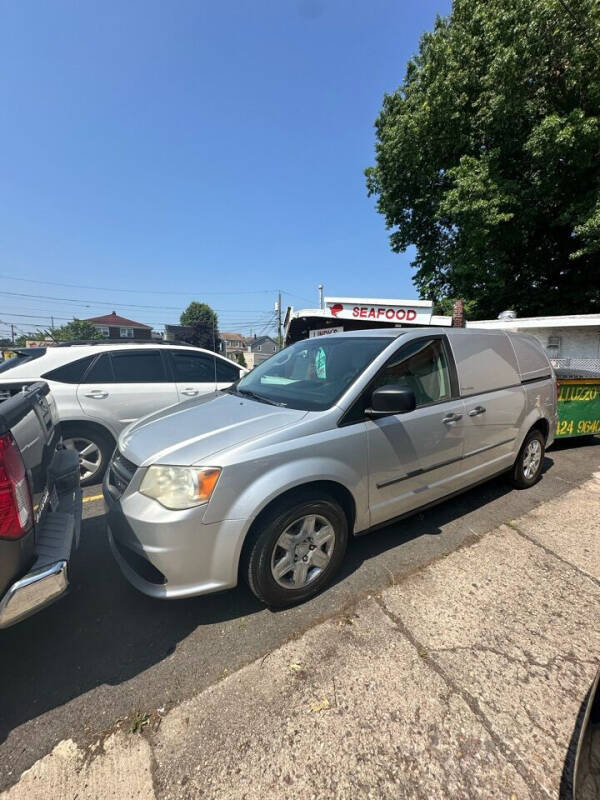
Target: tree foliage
x=205, y=324
x=488, y=157
x=76, y=330
x=241, y=358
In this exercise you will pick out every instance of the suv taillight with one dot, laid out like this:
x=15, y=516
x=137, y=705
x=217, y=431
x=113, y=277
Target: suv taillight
x=16, y=512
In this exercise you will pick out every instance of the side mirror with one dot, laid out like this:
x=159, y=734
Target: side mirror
x=388, y=400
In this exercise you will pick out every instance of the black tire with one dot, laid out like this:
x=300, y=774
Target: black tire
x=518, y=475
x=74, y=435
x=261, y=549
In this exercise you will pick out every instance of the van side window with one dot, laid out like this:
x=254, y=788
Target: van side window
x=423, y=367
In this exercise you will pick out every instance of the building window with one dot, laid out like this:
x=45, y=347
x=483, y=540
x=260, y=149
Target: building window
x=259, y=347
x=126, y=333
x=553, y=346
x=103, y=329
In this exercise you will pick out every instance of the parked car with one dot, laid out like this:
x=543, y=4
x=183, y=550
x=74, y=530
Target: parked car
x=101, y=388
x=40, y=505
x=332, y=436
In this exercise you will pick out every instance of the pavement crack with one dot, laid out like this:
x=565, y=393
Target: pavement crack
x=552, y=553
x=527, y=659
x=472, y=702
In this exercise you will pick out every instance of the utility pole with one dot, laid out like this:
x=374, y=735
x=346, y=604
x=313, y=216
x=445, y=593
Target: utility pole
x=12, y=333
x=321, y=304
x=279, y=333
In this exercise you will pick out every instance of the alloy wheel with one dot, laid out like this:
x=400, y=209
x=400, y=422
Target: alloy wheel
x=532, y=458
x=90, y=456
x=303, y=551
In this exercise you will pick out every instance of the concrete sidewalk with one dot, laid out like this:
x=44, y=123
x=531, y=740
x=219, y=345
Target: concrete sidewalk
x=465, y=680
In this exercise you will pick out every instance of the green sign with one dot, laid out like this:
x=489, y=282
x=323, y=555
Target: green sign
x=578, y=408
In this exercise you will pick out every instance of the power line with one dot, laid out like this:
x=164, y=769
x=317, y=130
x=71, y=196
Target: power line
x=121, y=305
x=133, y=291
x=113, y=289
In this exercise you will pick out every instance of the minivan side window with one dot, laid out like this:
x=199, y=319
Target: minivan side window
x=69, y=373
x=423, y=367
x=142, y=367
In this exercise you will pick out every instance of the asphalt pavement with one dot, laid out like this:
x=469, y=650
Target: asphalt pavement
x=106, y=652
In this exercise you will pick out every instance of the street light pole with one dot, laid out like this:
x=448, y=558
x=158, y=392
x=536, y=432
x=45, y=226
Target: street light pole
x=321, y=304
x=279, y=333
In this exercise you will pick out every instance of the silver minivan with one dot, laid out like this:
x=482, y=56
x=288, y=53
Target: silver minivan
x=332, y=436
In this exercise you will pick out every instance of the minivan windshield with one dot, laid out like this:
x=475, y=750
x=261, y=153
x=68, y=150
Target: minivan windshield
x=312, y=374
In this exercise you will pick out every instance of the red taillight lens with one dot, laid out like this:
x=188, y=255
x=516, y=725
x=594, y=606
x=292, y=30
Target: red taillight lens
x=16, y=513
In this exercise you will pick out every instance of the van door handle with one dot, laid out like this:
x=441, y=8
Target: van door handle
x=475, y=412
x=97, y=394
x=190, y=392
x=452, y=417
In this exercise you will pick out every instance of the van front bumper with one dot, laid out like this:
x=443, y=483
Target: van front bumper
x=171, y=554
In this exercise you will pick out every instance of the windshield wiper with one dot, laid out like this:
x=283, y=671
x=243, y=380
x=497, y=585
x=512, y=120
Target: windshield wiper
x=261, y=398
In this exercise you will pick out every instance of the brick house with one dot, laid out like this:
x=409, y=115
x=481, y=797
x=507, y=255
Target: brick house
x=112, y=326
x=232, y=343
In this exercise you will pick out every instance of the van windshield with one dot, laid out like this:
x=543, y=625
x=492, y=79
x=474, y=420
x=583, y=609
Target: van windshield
x=313, y=374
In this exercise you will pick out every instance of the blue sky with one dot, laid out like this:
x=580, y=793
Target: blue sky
x=195, y=150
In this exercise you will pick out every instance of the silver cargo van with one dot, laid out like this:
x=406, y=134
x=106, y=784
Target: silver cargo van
x=332, y=436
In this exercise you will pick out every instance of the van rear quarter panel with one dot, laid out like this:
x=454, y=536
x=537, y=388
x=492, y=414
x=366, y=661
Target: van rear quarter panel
x=495, y=401
x=485, y=360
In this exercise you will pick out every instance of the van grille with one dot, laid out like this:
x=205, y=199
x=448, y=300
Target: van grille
x=121, y=472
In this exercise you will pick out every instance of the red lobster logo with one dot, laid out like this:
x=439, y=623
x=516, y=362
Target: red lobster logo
x=336, y=308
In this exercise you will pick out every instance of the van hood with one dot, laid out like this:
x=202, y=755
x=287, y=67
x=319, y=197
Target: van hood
x=193, y=432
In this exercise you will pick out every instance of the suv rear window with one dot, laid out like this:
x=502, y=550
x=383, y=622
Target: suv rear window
x=142, y=367
x=226, y=372
x=69, y=373
x=101, y=371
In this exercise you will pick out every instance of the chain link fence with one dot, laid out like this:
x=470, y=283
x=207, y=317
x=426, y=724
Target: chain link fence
x=586, y=366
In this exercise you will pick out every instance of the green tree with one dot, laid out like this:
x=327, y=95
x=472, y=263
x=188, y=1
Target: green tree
x=241, y=358
x=488, y=157
x=76, y=330
x=205, y=324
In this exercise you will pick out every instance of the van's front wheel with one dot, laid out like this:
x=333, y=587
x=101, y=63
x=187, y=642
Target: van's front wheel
x=295, y=550
x=527, y=469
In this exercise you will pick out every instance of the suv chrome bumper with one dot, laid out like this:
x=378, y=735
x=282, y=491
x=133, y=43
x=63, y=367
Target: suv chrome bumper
x=48, y=577
x=37, y=589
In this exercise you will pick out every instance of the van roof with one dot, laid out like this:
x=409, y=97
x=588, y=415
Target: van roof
x=394, y=333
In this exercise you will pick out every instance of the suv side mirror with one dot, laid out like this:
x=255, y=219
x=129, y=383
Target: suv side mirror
x=388, y=400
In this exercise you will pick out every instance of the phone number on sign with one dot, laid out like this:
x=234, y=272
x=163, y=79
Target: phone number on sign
x=582, y=426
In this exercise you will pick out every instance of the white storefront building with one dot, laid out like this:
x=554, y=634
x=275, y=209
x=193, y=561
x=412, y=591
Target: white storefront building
x=568, y=338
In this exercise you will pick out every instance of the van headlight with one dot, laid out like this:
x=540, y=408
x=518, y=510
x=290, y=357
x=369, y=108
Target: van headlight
x=180, y=487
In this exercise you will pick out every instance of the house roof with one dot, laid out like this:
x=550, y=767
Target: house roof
x=114, y=319
x=233, y=336
x=260, y=340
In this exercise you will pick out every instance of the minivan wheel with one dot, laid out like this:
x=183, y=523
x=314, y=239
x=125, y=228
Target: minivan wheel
x=295, y=549
x=94, y=453
x=528, y=466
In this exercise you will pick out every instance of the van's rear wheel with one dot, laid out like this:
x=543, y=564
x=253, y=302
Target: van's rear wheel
x=527, y=468
x=295, y=549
